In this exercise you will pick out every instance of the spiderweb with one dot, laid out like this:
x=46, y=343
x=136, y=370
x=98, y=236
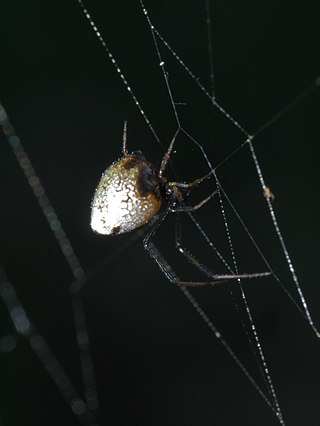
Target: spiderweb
x=149, y=360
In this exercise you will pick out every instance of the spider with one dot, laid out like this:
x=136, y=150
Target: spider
x=131, y=192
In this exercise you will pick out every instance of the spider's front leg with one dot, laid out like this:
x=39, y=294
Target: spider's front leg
x=213, y=278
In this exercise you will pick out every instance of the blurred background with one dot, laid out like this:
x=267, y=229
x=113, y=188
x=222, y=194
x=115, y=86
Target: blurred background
x=156, y=362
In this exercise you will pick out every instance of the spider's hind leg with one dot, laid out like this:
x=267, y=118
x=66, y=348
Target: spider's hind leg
x=213, y=278
x=166, y=268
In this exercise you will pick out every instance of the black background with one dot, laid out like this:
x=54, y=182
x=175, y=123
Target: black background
x=156, y=362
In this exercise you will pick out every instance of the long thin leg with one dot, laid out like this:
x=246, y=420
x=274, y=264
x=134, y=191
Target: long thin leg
x=215, y=278
x=167, y=270
x=159, y=259
x=193, y=208
x=166, y=156
x=192, y=184
x=124, y=139
x=157, y=256
x=153, y=252
x=190, y=257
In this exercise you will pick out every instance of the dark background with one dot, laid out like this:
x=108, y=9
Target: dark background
x=156, y=362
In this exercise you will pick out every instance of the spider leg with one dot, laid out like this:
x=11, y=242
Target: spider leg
x=124, y=139
x=160, y=260
x=214, y=278
x=166, y=268
x=157, y=256
x=190, y=257
x=192, y=184
x=154, y=252
x=168, y=272
x=193, y=208
x=166, y=156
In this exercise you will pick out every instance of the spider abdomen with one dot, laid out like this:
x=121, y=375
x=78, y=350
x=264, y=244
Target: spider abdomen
x=126, y=197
